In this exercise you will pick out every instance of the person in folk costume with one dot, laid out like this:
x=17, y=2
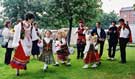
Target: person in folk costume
x=124, y=38
x=112, y=40
x=81, y=40
x=8, y=34
x=61, y=49
x=35, y=38
x=47, y=52
x=22, y=42
x=101, y=36
x=91, y=52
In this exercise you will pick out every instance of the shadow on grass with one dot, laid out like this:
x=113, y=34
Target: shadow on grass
x=40, y=74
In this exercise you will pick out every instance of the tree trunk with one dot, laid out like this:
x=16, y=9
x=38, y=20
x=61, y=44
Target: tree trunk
x=70, y=30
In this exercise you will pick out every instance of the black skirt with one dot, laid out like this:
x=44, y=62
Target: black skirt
x=35, y=48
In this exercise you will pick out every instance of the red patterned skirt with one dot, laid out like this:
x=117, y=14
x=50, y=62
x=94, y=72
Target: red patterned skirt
x=92, y=57
x=63, y=53
x=19, y=60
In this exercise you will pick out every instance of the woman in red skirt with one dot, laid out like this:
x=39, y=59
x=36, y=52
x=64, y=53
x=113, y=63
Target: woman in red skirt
x=91, y=52
x=22, y=43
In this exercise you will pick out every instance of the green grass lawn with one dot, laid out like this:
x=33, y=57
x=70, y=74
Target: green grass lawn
x=108, y=69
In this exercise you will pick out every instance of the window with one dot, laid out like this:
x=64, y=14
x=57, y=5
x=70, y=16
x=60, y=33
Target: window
x=133, y=22
x=134, y=14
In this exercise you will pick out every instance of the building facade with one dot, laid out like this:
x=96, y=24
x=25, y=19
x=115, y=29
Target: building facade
x=128, y=13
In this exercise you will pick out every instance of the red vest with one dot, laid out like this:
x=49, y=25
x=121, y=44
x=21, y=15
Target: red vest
x=81, y=36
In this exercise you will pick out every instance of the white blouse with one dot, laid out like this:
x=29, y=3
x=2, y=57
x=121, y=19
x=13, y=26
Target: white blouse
x=47, y=40
x=34, y=34
x=8, y=36
x=124, y=33
x=86, y=50
x=26, y=42
x=58, y=44
x=98, y=31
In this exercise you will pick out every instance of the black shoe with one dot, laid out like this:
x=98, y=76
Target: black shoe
x=82, y=57
x=99, y=63
x=56, y=65
x=68, y=60
x=28, y=62
x=7, y=63
x=44, y=70
x=109, y=58
x=63, y=63
x=25, y=68
x=17, y=74
x=122, y=62
x=68, y=65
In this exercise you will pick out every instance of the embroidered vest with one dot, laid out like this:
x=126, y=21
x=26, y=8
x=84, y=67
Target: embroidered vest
x=47, y=47
x=22, y=35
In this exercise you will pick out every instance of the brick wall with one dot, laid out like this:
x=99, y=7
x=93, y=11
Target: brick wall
x=128, y=15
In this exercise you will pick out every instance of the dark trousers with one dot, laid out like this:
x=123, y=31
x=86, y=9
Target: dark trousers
x=101, y=48
x=80, y=49
x=112, y=46
x=123, y=42
x=8, y=55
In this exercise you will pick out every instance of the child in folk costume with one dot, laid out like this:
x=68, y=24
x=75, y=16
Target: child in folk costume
x=22, y=43
x=91, y=52
x=61, y=49
x=47, y=53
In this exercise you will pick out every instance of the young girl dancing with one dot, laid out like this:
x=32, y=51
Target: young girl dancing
x=47, y=53
x=61, y=49
x=91, y=52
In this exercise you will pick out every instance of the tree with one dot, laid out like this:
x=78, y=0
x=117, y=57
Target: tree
x=107, y=18
x=59, y=13
x=64, y=12
x=1, y=24
x=134, y=6
x=15, y=9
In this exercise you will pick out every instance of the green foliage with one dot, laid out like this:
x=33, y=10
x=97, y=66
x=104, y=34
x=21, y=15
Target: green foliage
x=54, y=14
x=15, y=9
x=60, y=12
x=134, y=6
x=107, y=18
x=1, y=23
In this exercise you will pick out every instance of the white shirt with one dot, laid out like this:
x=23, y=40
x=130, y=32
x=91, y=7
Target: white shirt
x=124, y=33
x=58, y=44
x=8, y=36
x=47, y=40
x=88, y=32
x=86, y=50
x=5, y=34
x=34, y=34
x=98, y=31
